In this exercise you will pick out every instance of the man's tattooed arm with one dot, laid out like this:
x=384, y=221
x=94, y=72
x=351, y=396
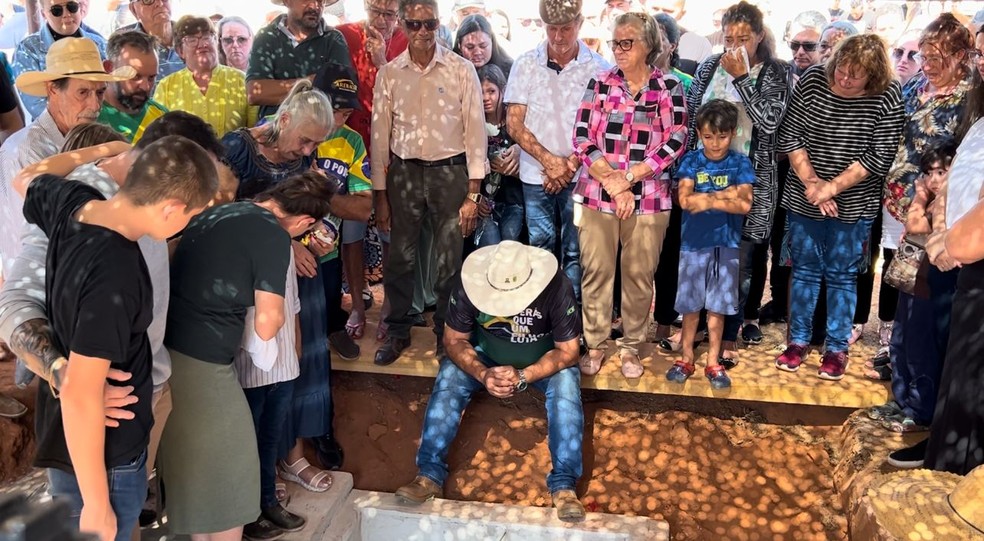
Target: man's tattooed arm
x=33, y=342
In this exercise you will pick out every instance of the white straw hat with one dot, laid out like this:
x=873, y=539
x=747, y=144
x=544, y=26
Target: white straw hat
x=504, y=279
x=75, y=58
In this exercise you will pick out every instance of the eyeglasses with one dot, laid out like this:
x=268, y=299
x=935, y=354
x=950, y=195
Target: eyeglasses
x=932, y=61
x=58, y=10
x=414, y=25
x=151, y=2
x=238, y=40
x=385, y=14
x=624, y=44
x=195, y=41
x=825, y=47
x=975, y=55
x=898, y=52
x=808, y=46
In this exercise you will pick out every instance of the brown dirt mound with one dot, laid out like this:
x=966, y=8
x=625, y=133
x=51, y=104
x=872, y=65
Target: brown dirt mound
x=711, y=469
x=16, y=435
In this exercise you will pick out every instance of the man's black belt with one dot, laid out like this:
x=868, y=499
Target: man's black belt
x=453, y=160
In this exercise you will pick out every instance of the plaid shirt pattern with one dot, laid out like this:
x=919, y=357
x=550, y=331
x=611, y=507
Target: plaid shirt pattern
x=623, y=129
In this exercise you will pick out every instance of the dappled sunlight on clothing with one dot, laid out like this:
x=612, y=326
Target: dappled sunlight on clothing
x=223, y=105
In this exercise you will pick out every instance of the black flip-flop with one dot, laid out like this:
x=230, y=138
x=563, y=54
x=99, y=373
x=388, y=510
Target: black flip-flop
x=10, y=408
x=728, y=362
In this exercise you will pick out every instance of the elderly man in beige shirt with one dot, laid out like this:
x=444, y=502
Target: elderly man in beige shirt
x=428, y=162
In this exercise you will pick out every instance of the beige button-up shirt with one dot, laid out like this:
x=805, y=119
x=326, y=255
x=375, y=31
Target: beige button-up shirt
x=428, y=114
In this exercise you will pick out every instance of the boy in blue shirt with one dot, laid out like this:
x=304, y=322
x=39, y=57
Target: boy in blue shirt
x=715, y=191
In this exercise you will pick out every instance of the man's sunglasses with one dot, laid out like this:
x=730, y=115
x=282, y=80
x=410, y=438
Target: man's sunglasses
x=808, y=46
x=58, y=10
x=898, y=52
x=414, y=25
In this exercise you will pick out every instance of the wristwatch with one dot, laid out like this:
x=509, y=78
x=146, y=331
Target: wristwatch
x=475, y=197
x=522, y=385
x=629, y=176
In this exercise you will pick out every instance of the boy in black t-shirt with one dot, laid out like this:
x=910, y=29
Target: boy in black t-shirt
x=100, y=303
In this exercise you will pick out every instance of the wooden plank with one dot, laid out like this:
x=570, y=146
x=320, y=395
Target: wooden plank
x=755, y=379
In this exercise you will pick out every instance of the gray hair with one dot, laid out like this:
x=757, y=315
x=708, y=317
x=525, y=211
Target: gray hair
x=807, y=20
x=847, y=28
x=233, y=19
x=649, y=30
x=302, y=102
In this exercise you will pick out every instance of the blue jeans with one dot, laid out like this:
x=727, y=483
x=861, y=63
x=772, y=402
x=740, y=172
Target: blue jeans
x=454, y=388
x=919, y=343
x=506, y=223
x=828, y=250
x=269, y=405
x=543, y=214
x=127, y=493
x=746, y=260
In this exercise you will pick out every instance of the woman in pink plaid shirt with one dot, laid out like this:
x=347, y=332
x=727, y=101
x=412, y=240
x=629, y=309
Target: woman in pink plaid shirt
x=630, y=128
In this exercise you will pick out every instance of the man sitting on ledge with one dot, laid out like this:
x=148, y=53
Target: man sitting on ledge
x=512, y=323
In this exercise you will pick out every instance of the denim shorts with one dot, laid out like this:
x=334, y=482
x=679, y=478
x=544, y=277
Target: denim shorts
x=353, y=231
x=708, y=280
x=127, y=493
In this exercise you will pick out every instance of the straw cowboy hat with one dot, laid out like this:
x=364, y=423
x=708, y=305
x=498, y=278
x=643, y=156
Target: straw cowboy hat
x=502, y=280
x=924, y=504
x=75, y=58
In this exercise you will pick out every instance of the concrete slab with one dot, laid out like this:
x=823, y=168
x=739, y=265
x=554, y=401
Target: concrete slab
x=382, y=517
x=320, y=510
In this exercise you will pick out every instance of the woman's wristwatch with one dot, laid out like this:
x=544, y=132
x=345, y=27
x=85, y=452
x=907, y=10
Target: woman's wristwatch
x=629, y=177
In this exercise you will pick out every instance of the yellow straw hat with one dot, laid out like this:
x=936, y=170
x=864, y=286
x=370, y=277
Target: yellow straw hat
x=925, y=504
x=75, y=58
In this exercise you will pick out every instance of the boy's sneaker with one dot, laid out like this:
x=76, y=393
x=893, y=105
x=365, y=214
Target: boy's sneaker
x=910, y=457
x=751, y=334
x=680, y=371
x=833, y=365
x=792, y=358
x=718, y=377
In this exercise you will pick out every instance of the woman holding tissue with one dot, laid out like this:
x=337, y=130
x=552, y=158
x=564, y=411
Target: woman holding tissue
x=748, y=75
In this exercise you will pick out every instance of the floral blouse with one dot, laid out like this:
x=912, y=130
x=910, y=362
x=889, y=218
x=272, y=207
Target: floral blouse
x=938, y=118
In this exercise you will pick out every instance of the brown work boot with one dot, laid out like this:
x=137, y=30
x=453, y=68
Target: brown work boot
x=569, y=508
x=420, y=490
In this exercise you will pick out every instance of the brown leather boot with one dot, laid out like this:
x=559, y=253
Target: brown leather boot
x=419, y=491
x=569, y=508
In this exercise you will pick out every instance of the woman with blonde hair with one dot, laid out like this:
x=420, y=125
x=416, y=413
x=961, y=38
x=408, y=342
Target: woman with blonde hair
x=834, y=185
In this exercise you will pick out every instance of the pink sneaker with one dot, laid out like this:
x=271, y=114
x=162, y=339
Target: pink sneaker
x=792, y=358
x=833, y=365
